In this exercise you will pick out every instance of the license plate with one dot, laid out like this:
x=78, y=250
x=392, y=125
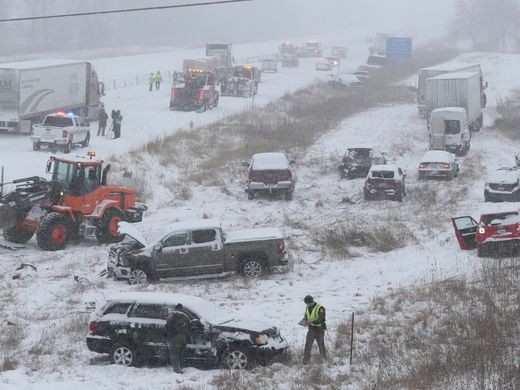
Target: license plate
x=501, y=231
x=500, y=188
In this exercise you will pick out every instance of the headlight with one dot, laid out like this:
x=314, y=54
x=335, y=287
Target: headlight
x=261, y=339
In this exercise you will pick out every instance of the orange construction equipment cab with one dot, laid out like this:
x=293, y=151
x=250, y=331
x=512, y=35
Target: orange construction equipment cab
x=76, y=203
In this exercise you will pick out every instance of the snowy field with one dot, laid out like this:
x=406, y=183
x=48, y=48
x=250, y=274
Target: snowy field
x=40, y=301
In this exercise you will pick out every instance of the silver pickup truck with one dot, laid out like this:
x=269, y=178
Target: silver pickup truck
x=60, y=131
x=197, y=248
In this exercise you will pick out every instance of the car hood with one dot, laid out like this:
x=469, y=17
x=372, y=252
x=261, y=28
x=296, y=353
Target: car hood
x=505, y=176
x=130, y=230
x=245, y=325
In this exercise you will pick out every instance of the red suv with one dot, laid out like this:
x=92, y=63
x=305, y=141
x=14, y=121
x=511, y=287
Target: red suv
x=496, y=231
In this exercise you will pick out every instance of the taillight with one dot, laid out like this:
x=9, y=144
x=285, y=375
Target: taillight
x=201, y=95
x=422, y=165
x=32, y=130
x=252, y=176
x=289, y=175
x=92, y=326
x=481, y=230
x=446, y=166
x=397, y=183
x=65, y=134
x=280, y=247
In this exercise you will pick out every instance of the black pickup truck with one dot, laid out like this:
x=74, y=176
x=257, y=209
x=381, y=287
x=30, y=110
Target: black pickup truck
x=197, y=248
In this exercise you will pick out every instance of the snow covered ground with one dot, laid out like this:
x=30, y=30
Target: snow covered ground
x=45, y=301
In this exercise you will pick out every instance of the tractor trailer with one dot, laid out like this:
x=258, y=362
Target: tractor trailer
x=30, y=90
x=426, y=73
x=460, y=89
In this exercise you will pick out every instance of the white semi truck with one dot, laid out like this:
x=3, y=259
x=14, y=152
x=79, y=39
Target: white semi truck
x=460, y=89
x=426, y=73
x=30, y=90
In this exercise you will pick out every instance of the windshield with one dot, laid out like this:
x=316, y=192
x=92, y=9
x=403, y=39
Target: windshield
x=58, y=121
x=452, y=126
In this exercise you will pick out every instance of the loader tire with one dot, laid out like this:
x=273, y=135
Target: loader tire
x=106, y=231
x=17, y=235
x=36, y=146
x=54, y=232
x=68, y=147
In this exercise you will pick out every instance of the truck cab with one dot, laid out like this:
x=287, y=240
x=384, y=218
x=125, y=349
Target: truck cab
x=449, y=130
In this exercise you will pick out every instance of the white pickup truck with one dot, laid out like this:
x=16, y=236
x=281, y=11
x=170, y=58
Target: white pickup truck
x=60, y=130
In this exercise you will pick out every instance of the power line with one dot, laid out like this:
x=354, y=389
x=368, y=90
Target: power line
x=119, y=11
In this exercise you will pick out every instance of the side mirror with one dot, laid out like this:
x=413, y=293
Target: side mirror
x=292, y=162
x=157, y=247
x=404, y=175
x=49, y=167
x=245, y=163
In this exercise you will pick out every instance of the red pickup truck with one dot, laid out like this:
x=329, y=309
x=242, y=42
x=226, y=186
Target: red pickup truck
x=498, y=231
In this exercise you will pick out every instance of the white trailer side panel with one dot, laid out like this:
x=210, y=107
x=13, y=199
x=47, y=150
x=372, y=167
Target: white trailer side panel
x=47, y=89
x=9, y=92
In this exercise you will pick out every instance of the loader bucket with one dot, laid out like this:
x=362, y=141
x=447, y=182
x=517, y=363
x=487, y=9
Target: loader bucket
x=7, y=216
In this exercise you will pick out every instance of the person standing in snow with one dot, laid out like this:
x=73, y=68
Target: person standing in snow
x=151, y=80
x=158, y=80
x=102, y=122
x=117, y=124
x=314, y=319
x=177, y=332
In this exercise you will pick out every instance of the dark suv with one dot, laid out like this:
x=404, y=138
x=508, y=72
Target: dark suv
x=131, y=328
x=357, y=162
x=270, y=173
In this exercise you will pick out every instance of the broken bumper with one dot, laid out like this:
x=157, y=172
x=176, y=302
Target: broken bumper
x=117, y=271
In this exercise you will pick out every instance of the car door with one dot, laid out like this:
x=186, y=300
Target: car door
x=148, y=328
x=206, y=251
x=465, y=231
x=172, y=258
x=199, y=347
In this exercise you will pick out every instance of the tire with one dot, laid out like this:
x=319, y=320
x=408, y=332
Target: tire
x=250, y=195
x=106, y=231
x=36, y=146
x=68, y=147
x=450, y=176
x=123, y=354
x=54, y=232
x=138, y=276
x=252, y=268
x=236, y=358
x=481, y=252
x=85, y=143
x=399, y=196
x=17, y=235
x=288, y=195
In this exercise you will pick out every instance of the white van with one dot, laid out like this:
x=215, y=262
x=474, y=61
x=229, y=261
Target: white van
x=449, y=130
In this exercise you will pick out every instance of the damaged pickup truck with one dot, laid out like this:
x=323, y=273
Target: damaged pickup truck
x=131, y=328
x=197, y=248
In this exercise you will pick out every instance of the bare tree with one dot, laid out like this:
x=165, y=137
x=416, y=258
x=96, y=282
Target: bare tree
x=489, y=24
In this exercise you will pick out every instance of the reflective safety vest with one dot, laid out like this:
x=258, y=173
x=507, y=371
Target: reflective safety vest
x=313, y=315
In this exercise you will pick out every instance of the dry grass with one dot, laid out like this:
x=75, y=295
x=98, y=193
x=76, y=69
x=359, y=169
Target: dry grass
x=508, y=121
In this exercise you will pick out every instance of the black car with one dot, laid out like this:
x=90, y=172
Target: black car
x=357, y=162
x=131, y=328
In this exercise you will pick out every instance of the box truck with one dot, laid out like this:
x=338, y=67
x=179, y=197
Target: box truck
x=30, y=90
x=460, y=89
x=426, y=73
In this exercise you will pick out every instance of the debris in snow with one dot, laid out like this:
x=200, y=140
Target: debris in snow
x=82, y=281
x=26, y=270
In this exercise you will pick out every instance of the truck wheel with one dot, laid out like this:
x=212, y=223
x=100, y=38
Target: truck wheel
x=250, y=195
x=252, y=268
x=17, y=234
x=68, y=147
x=236, y=358
x=106, y=231
x=54, y=232
x=137, y=276
x=399, y=196
x=36, y=146
x=87, y=140
x=288, y=195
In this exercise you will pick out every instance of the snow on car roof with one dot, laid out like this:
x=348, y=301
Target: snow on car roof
x=388, y=167
x=37, y=64
x=455, y=76
x=498, y=208
x=505, y=175
x=450, y=67
x=437, y=156
x=264, y=161
x=349, y=77
x=202, y=308
x=253, y=235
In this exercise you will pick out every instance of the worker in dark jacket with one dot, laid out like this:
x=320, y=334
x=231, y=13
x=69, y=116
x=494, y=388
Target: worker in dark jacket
x=118, y=119
x=177, y=332
x=102, y=122
x=314, y=319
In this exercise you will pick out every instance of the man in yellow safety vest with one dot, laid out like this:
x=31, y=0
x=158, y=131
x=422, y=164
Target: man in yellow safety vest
x=314, y=319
